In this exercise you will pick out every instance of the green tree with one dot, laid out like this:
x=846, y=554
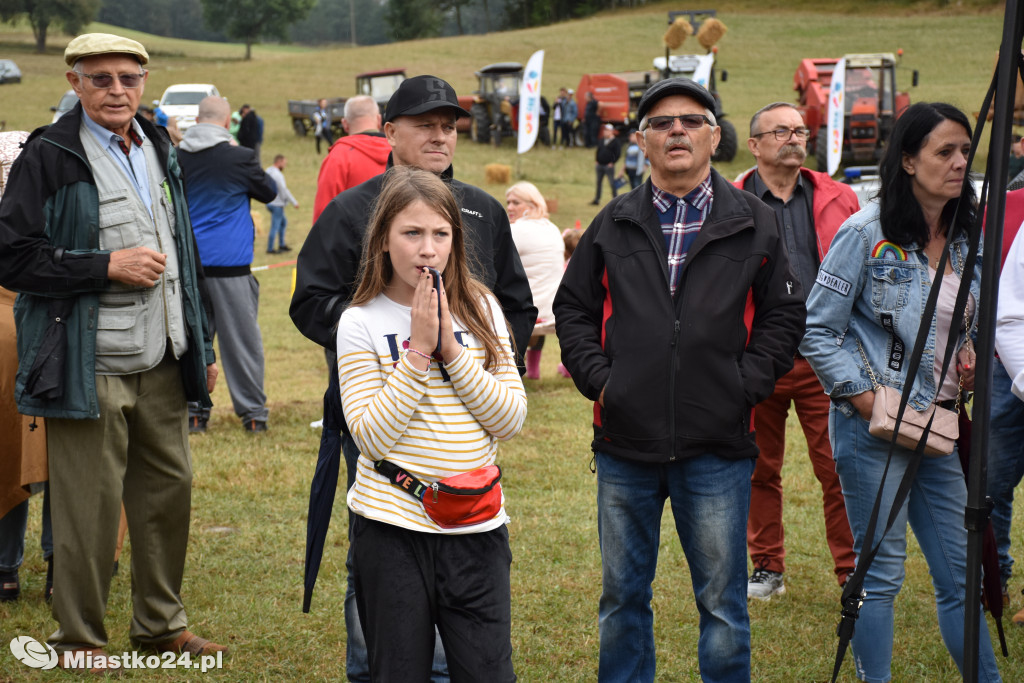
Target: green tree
x=455, y=7
x=250, y=20
x=69, y=15
x=412, y=19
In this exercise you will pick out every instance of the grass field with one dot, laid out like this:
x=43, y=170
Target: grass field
x=243, y=581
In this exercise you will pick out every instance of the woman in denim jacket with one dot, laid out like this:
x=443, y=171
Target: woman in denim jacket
x=865, y=308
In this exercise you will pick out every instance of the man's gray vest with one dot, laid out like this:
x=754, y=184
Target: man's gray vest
x=134, y=323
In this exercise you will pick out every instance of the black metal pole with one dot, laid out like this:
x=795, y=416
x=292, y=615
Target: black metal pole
x=976, y=512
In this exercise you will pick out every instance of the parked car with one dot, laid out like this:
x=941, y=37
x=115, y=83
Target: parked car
x=182, y=102
x=9, y=72
x=67, y=102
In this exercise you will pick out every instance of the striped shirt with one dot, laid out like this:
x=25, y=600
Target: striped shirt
x=681, y=220
x=434, y=423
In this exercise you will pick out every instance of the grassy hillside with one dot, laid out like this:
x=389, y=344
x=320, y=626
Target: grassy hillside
x=243, y=580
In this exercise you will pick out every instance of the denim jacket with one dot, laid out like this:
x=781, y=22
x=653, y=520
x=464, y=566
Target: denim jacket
x=872, y=290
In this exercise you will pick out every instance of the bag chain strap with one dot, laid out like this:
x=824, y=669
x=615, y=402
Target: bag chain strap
x=867, y=366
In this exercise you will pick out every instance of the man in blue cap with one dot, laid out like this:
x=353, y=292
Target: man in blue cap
x=676, y=314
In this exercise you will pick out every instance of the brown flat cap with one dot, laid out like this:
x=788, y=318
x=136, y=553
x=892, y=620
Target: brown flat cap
x=92, y=44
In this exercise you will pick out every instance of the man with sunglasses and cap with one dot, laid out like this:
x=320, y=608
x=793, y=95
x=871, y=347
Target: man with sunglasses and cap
x=419, y=124
x=810, y=207
x=676, y=314
x=112, y=342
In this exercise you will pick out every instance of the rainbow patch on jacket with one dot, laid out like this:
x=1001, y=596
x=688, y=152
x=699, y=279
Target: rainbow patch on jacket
x=889, y=250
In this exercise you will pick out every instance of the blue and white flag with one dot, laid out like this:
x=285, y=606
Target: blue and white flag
x=836, y=116
x=529, y=102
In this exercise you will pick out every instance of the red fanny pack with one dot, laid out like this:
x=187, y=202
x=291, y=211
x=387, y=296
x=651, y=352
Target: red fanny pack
x=462, y=500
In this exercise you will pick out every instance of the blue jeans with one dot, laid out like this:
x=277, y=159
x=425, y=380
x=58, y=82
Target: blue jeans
x=710, y=499
x=935, y=510
x=277, y=225
x=12, y=535
x=1005, y=461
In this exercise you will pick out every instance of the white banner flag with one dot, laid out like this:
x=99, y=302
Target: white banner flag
x=529, y=102
x=836, y=116
x=702, y=74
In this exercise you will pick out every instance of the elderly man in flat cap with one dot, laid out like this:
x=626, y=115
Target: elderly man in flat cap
x=112, y=342
x=676, y=315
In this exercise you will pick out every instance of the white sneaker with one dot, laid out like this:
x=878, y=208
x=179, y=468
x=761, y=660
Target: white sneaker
x=763, y=584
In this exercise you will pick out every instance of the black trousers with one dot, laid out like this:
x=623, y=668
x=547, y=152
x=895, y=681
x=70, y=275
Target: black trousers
x=407, y=582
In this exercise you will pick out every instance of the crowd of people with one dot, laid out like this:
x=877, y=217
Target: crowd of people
x=693, y=311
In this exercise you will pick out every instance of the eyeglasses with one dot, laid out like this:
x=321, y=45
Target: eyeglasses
x=785, y=133
x=689, y=121
x=104, y=81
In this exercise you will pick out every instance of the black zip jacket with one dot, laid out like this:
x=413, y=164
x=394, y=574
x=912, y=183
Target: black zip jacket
x=328, y=264
x=680, y=374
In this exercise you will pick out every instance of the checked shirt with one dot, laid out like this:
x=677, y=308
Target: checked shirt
x=681, y=220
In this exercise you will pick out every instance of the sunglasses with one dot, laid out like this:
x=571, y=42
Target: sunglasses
x=689, y=121
x=785, y=133
x=104, y=81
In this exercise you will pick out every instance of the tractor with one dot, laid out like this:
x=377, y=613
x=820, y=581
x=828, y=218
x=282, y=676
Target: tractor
x=618, y=94
x=380, y=85
x=871, y=102
x=494, y=106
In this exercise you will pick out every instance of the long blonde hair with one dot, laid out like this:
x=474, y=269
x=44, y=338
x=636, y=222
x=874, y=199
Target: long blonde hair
x=467, y=296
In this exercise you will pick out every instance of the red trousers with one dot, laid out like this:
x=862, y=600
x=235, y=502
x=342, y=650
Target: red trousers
x=765, y=535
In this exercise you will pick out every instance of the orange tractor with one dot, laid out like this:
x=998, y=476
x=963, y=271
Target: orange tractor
x=872, y=105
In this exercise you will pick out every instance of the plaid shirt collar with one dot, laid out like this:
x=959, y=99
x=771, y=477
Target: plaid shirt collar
x=698, y=197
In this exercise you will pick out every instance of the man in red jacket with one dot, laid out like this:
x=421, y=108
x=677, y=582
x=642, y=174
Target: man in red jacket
x=810, y=207
x=355, y=158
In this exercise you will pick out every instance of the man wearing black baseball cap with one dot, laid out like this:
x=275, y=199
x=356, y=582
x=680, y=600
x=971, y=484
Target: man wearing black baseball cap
x=687, y=278
x=419, y=124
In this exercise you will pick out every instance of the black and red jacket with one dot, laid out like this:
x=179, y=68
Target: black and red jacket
x=681, y=374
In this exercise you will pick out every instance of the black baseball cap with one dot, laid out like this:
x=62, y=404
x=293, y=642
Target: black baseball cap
x=674, y=86
x=420, y=94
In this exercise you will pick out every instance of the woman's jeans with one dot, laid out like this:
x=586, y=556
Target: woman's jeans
x=12, y=535
x=710, y=498
x=935, y=510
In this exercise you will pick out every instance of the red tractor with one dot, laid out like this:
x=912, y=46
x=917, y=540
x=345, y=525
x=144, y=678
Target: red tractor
x=871, y=101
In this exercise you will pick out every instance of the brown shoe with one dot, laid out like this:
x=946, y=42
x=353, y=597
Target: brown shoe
x=1018, y=618
x=190, y=643
x=93, y=657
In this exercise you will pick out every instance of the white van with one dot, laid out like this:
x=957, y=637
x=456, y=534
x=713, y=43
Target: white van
x=182, y=102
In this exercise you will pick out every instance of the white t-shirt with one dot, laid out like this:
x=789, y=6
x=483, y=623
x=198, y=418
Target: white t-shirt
x=434, y=424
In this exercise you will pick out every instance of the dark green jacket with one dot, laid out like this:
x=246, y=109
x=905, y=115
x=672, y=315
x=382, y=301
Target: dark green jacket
x=49, y=253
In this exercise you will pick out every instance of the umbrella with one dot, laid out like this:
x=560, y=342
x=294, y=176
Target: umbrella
x=323, y=487
x=991, y=585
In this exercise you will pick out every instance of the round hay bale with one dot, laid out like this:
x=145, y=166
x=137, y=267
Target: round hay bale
x=497, y=174
x=677, y=33
x=711, y=31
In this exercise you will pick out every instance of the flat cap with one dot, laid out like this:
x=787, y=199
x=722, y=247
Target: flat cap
x=674, y=86
x=92, y=44
x=420, y=94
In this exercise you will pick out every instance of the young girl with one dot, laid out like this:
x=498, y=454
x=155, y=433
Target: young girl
x=435, y=410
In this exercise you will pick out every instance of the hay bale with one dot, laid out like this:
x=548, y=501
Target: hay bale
x=711, y=31
x=677, y=33
x=497, y=174
x=257, y=222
